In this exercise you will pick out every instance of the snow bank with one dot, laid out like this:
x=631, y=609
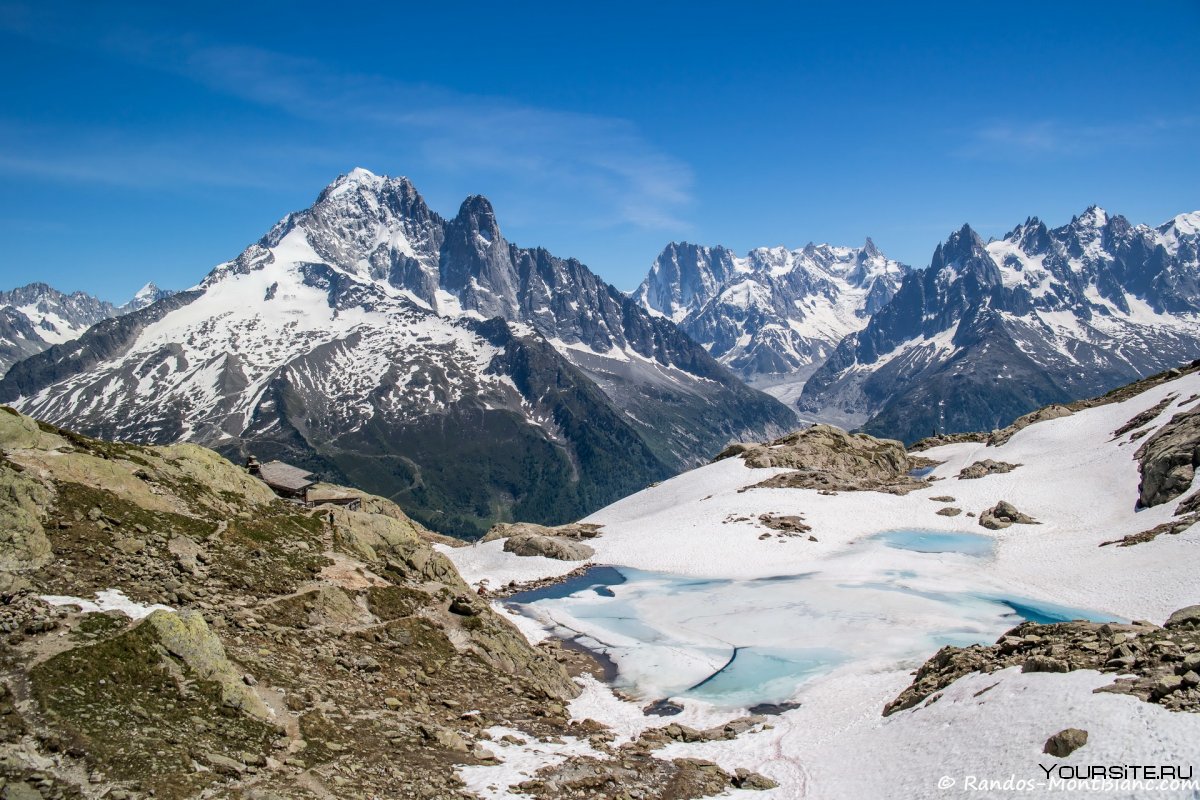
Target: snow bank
x=107, y=600
x=1077, y=479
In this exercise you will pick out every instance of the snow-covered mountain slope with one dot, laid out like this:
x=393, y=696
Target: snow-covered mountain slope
x=991, y=331
x=705, y=580
x=36, y=316
x=424, y=359
x=776, y=314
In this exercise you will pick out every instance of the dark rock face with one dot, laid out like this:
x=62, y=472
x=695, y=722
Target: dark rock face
x=370, y=341
x=991, y=331
x=1168, y=459
x=18, y=338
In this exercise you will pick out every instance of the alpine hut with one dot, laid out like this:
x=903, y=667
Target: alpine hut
x=284, y=479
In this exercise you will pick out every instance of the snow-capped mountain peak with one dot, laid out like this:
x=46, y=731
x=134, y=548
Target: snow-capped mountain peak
x=1093, y=217
x=356, y=179
x=774, y=314
x=146, y=296
x=1185, y=224
x=147, y=292
x=370, y=338
x=1183, y=230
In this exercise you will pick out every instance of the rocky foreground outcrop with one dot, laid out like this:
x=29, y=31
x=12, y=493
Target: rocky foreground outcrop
x=1168, y=459
x=1158, y=664
x=575, y=530
x=531, y=544
x=561, y=542
x=829, y=458
x=302, y=653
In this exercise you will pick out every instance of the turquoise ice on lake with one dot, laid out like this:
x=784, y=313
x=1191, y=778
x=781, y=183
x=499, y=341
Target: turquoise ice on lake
x=894, y=597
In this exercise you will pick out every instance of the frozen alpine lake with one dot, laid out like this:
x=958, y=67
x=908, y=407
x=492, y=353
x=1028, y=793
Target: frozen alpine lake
x=737, y=643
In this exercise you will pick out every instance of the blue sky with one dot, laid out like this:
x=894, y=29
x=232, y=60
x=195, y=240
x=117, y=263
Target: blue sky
x=141, y=141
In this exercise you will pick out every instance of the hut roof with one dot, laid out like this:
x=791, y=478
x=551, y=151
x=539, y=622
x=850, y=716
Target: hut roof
x=285, y=476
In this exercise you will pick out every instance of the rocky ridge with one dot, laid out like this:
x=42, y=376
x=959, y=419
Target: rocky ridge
x=273, y=650
x=1157, y=664
x=830, y=459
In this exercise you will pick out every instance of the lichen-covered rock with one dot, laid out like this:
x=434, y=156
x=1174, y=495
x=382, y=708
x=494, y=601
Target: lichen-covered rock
x=218, y=475
x=830, y=449
x=373, y=504
x=19, y=432
x=388, y=541
x=186, y=636
x=1168, y=460
x=504, y=647
x=532, y=544
x=575, y=530
x=370, y=537
x=829, y=458
x=23, y=542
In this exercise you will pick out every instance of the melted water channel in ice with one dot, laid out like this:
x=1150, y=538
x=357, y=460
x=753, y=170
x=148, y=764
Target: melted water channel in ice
x=896, y=596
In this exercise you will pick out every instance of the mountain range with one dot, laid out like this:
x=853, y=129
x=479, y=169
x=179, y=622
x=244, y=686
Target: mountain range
x=429, y=360
x=36, y=316
x=776, y=314
x=992, y=330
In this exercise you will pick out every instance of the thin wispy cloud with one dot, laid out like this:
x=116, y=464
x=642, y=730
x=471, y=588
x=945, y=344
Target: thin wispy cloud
x=604, y=156
x=540, y=158
x=110, y=158
x=1048, y=138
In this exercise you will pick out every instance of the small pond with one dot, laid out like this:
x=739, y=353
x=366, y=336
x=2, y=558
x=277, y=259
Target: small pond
x=919, y=541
